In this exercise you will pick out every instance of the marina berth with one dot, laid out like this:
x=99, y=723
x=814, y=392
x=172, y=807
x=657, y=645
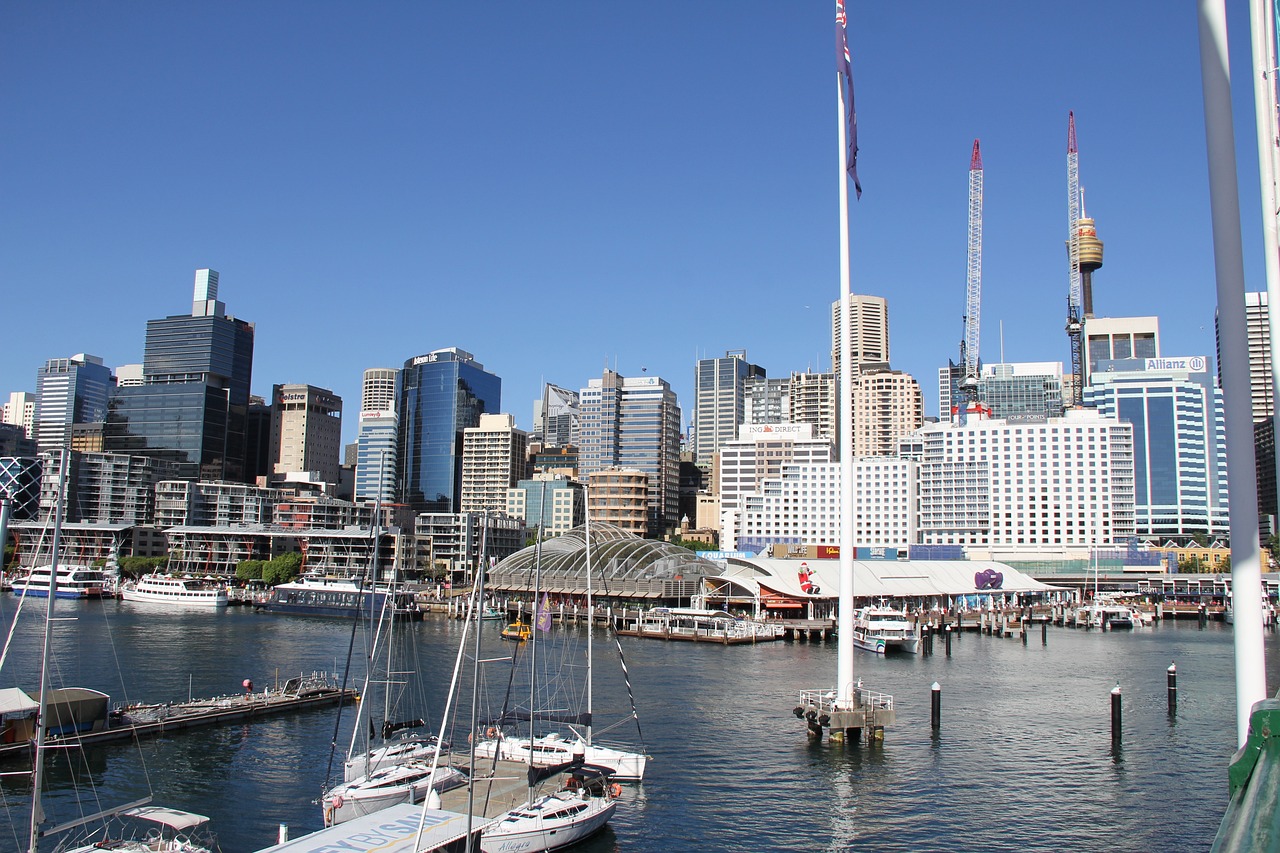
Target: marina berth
x=182, y=592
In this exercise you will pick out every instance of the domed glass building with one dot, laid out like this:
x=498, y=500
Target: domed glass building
x=624, y=568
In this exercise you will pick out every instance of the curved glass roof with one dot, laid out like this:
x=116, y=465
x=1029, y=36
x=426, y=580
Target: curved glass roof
x=616, y=557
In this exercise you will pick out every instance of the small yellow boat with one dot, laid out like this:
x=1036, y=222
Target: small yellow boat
x=517, y=631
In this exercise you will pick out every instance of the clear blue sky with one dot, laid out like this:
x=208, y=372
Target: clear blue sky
x=557, y=186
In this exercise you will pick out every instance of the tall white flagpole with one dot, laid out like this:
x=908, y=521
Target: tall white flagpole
x=844, y=373
x=1228, y=261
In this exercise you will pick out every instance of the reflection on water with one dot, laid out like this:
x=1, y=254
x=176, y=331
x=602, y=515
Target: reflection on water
x=1023, y=760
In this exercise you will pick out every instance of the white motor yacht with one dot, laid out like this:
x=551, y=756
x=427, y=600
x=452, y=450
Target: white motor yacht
x=884, y=630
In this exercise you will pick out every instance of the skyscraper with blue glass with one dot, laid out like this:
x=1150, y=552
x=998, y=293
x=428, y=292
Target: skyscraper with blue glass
x=1179, y=441
x=441, y=394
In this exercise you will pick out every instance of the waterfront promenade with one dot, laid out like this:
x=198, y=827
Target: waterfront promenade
x=1023, y=759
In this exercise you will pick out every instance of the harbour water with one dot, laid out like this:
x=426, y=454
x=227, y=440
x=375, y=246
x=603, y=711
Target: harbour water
x=1023, y=759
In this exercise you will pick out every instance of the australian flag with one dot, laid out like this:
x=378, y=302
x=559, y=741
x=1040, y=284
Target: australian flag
x=846, y=73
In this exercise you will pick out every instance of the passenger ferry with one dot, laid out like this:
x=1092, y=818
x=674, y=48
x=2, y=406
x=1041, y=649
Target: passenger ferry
x=73, y=582
x=316, y=595
x=883, y=630
x=186, y=592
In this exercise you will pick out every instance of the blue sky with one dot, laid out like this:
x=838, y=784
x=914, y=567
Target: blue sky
x=561, y=186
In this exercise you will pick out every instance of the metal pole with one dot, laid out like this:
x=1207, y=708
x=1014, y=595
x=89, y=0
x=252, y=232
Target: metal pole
x=1115, y=714
x=935, y=706
x=1224, y=201
x=844, y=373
x=1173, y=687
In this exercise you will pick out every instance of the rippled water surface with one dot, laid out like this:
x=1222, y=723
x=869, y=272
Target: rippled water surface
x=1023, y=761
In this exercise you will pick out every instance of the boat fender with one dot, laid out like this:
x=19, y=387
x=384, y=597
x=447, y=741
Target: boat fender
x=615, y=790
x=337, y=802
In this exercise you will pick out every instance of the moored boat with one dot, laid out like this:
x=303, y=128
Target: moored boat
x=517, y=631
x=315, y=595
x=389, y=786
x=884, y=630
x=556, y=820
x=554, y=749
x=185, y=592
x=73, y=582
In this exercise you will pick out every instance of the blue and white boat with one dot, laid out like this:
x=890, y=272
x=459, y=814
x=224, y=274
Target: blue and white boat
x=73, y=582
x=315, y=595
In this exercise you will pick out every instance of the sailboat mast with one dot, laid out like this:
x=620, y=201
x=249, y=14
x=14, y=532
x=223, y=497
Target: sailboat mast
x=533, y=634
x=42, y=720
x=844, y=631
x=590, y=613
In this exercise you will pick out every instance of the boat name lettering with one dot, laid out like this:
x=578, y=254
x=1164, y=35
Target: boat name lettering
x=370, y=839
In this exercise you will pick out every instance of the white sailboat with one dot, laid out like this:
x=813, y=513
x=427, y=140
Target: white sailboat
x=555, y=748
x=397, y=771
x=136, y=827
x=576, y=811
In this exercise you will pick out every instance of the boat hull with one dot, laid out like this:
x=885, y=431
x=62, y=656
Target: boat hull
x=623, y=766
x=884, y=646
x=509, y=836
x=200, y=601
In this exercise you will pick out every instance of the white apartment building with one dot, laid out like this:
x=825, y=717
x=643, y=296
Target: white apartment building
x=813, y=401
x=760, y=452
x=802, y=505
x=21, y=411
x=493, y=460
x=1059, y=482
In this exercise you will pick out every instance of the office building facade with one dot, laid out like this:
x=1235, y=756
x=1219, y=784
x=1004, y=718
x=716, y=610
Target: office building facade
x=634, y=423
x=720, y=401
x=813, y=401
x=69, y=391
x=556, y=417
x=21, y=412
x=554, y=503
x=760, y=452
x=442, y=393
x=1179, y=442
x=306, y=430
x=868, y=331
x=1022, y=390
x=887, y=404
x=192, y=408
x=767, y=401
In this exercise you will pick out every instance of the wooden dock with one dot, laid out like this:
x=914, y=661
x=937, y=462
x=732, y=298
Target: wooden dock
x=302, y=693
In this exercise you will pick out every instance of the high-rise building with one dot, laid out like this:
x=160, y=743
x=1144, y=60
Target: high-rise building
x=887, y=404
x=306, y=430
x=192, y=407
x=442, y=393
x=801, y=505
x=1022, y=390
x=1179, y=442
x=494, y=455
x=553, y=502
x=621, y=497
x=813, y=401
x=1257, y=318
x=556, y=417
x=69, y=391
x=767, y=401
x=380, y=390
x=1113, y=338
x=634, y=423
x=868, y=329
x=720, y=402
x=760, y=452
x=1062, y=482
x=21, y=412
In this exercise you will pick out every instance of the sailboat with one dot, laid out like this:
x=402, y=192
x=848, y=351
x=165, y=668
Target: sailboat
x=400, y=770
x=579, y=809
x=554, y=748
x=136, y=827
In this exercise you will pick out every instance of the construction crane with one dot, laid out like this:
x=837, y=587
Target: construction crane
x=1084, y=255
x=968, y=385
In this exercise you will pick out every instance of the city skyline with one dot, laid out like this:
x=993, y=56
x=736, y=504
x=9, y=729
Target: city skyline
x=677, y=172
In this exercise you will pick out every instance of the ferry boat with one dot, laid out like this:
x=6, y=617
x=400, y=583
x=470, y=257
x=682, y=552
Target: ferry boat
x=314, y=595
x=698, y=625
x=187, y=592
x=883, y=630
x=73, y=582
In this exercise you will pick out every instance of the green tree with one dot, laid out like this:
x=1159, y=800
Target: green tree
x=282, y=569
x=137, y=566
x=249, y=570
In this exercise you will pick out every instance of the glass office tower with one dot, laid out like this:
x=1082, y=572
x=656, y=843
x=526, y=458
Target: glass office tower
x=441, y=394
x=193, y=405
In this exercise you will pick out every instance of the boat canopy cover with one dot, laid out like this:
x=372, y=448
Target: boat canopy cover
x=14, y=702
x=173, y=818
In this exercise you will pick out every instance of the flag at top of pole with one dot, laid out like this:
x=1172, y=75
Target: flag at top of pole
x=845, y=69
